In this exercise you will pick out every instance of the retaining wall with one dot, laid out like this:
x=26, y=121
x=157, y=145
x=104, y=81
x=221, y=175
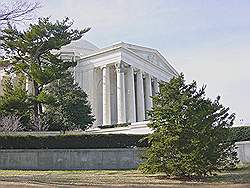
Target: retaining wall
x=63, y=159
x=243, y=151
x=85, y=159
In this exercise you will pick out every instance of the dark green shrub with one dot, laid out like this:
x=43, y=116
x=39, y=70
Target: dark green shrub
x=86, y=141
x=191, y=132
x=83, y=141
x=114, y=125
x=68, y=107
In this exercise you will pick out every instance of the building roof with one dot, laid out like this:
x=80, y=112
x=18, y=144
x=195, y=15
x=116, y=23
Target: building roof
x=145, y=53
x=85, y=50
x=80, y=47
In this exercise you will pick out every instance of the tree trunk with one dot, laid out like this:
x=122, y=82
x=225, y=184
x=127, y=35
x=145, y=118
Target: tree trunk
x=36, y=105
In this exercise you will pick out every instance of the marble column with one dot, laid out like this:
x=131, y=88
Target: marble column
x=156, y=86
x=99, y=97
x=1, y=86
x=15, y=80
x=29, y=86
x=148, y=93
x=121, y=108
x=140, y=108
x=131, y=95
x=106, y=96
x=82, y=80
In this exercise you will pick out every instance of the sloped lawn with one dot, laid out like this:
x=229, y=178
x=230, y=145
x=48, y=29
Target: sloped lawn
x=125, y=178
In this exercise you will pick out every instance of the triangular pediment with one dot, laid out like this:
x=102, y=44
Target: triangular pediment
x=152, y=56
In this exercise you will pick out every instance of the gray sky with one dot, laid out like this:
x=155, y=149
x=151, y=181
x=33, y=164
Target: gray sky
x=209, y=41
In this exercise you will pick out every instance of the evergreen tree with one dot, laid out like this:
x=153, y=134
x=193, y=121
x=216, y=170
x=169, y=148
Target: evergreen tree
x=67, y=106
x=32, y=53
x=15, y=100
x=191, y=132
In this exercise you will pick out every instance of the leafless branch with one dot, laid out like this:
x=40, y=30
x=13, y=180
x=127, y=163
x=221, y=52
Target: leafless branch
x=10, y=124
x=40, y=125
x=17, y=10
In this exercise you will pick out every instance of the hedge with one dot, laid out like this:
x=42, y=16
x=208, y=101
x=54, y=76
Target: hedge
x=92, y=141
x=83, y=141
x=114, y=125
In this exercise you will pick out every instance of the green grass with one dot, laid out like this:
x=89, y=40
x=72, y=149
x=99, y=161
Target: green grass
x=240, y=175
x=124, y=178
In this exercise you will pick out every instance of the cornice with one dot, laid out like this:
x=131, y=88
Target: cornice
x=146, y=61
x=100, y=52
x=125, y=47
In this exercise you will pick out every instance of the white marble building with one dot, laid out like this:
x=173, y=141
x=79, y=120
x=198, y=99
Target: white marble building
x=119, y=79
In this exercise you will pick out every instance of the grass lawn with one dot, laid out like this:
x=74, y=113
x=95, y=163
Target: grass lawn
x=124, y=178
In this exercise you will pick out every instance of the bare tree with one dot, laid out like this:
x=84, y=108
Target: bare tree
x=16, y=11
x=10, y=124
x=40, y=125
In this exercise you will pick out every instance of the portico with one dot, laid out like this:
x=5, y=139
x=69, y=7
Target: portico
x=133, y=93
x=119, y=80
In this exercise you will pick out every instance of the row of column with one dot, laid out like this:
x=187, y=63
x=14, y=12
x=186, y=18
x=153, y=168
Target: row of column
x=28, y=85
x=138, y=96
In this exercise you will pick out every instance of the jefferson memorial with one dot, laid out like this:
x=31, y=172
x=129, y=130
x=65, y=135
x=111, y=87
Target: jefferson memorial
x=119, y=79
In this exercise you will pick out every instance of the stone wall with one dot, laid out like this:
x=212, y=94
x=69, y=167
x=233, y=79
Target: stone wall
x=243, y=151
x=85, y=159
x=62, y=159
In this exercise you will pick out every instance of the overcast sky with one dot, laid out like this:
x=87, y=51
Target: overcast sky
x=207, y=40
